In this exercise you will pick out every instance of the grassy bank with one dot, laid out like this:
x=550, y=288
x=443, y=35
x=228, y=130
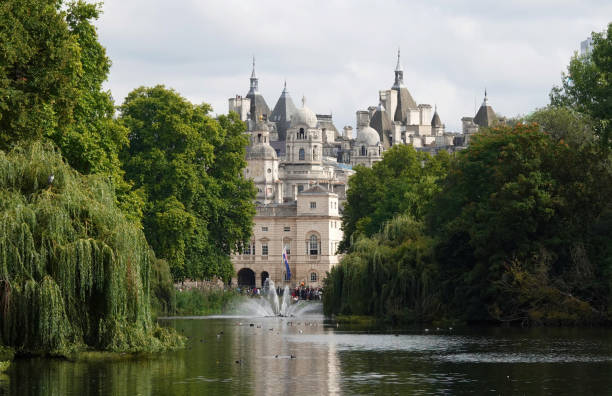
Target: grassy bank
x=205, y=302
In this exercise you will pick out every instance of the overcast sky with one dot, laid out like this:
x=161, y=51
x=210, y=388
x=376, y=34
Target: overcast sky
x=340, y=53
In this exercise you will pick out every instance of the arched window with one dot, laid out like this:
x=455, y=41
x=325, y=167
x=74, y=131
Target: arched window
x=313, y=245
x=301, y=133
x=301, y=154
x=363, y=151
x=259, y=138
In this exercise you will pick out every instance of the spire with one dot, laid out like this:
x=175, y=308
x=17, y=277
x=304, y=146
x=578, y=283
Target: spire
x=398, y=67
x=303, y=101
x=254, y=81
x=486, y=100
x=399, y=73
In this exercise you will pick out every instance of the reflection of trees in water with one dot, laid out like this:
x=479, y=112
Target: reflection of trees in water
x=143, y=376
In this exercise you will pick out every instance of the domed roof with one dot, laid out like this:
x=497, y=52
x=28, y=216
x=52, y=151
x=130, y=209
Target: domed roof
x=304, y=116
x=262, y=126
x=368, y=136
x=261, y=151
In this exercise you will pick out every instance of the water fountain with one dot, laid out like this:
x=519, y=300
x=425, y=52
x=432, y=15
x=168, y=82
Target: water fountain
x=271, y=304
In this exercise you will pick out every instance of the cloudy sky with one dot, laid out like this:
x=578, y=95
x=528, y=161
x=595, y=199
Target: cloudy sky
x=340, y=53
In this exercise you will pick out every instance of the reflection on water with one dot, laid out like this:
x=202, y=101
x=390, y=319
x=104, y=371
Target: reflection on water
x=306, y=355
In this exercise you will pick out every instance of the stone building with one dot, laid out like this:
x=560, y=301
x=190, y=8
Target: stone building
x=292, y=159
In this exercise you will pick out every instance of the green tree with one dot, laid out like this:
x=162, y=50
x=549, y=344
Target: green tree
x=75, y=274
x=199, y=208
x=587, y=86
x=39, y=69
x=563, y=124
x=519, y=203
x=51, y=72
x=402, y=183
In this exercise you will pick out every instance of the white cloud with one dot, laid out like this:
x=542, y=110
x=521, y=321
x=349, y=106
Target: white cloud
x=340, y=53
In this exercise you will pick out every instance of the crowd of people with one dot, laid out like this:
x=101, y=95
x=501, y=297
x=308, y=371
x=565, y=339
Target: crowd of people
x=306, y=293
x=297, y=293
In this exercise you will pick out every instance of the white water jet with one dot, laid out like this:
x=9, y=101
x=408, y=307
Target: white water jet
x=271, y=304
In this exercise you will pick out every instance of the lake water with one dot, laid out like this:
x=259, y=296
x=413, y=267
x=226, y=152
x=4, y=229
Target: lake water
x=253, y=356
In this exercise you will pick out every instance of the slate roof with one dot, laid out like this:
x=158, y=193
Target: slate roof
x=259, y=107
x=281, y=115
x=404, y=102
x=435, y=121
x=485, y=117
x=381, y=123
x=316, y=190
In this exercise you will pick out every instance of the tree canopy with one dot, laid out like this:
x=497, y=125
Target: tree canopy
x=402, y=183
x=74, y=272
x=198, y=206
x=51, y=72
x=587, y=85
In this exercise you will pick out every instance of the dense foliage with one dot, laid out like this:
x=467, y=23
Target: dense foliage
x=519, y=230
x=404, y=182
x=77, y=270
x=51, y=72
x=188, y=165
x=389, y=275
x=587, y=86
x=74, y=272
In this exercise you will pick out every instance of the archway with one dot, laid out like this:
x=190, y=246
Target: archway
x=246, y=278
x=264, y=276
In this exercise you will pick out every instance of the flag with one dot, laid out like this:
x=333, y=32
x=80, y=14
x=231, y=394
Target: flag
x=286, y=264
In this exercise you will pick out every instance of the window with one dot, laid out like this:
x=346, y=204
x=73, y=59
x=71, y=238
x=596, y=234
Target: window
x=313, y=205
x=363, y=151
x=313, y=276
x=300, y=187
x=247, y=249
x=264, y=249
x=288, y=248
x=287, y=229
x=264, y=229
x=285, y=277
x=269, y=170
x=301, y=155
x=301, y=133
x=314, y=245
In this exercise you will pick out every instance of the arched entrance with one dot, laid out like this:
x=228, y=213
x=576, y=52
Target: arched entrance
x=264, y=276
x=246, y=278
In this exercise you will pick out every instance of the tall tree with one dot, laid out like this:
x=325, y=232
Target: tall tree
x=52, y=67
x=199, y=207
x=402, y=183
x=587, y=85
x=520, y=205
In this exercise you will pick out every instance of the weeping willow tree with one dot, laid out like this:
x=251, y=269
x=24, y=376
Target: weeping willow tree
x=391, y=275
x=74, y=273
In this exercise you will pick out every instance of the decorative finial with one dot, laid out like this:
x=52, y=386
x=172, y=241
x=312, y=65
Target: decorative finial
x=253, y=72
x=486, y=100
x=435, y=108
x=303, y=101
x=398, y=67
x=285, y=85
